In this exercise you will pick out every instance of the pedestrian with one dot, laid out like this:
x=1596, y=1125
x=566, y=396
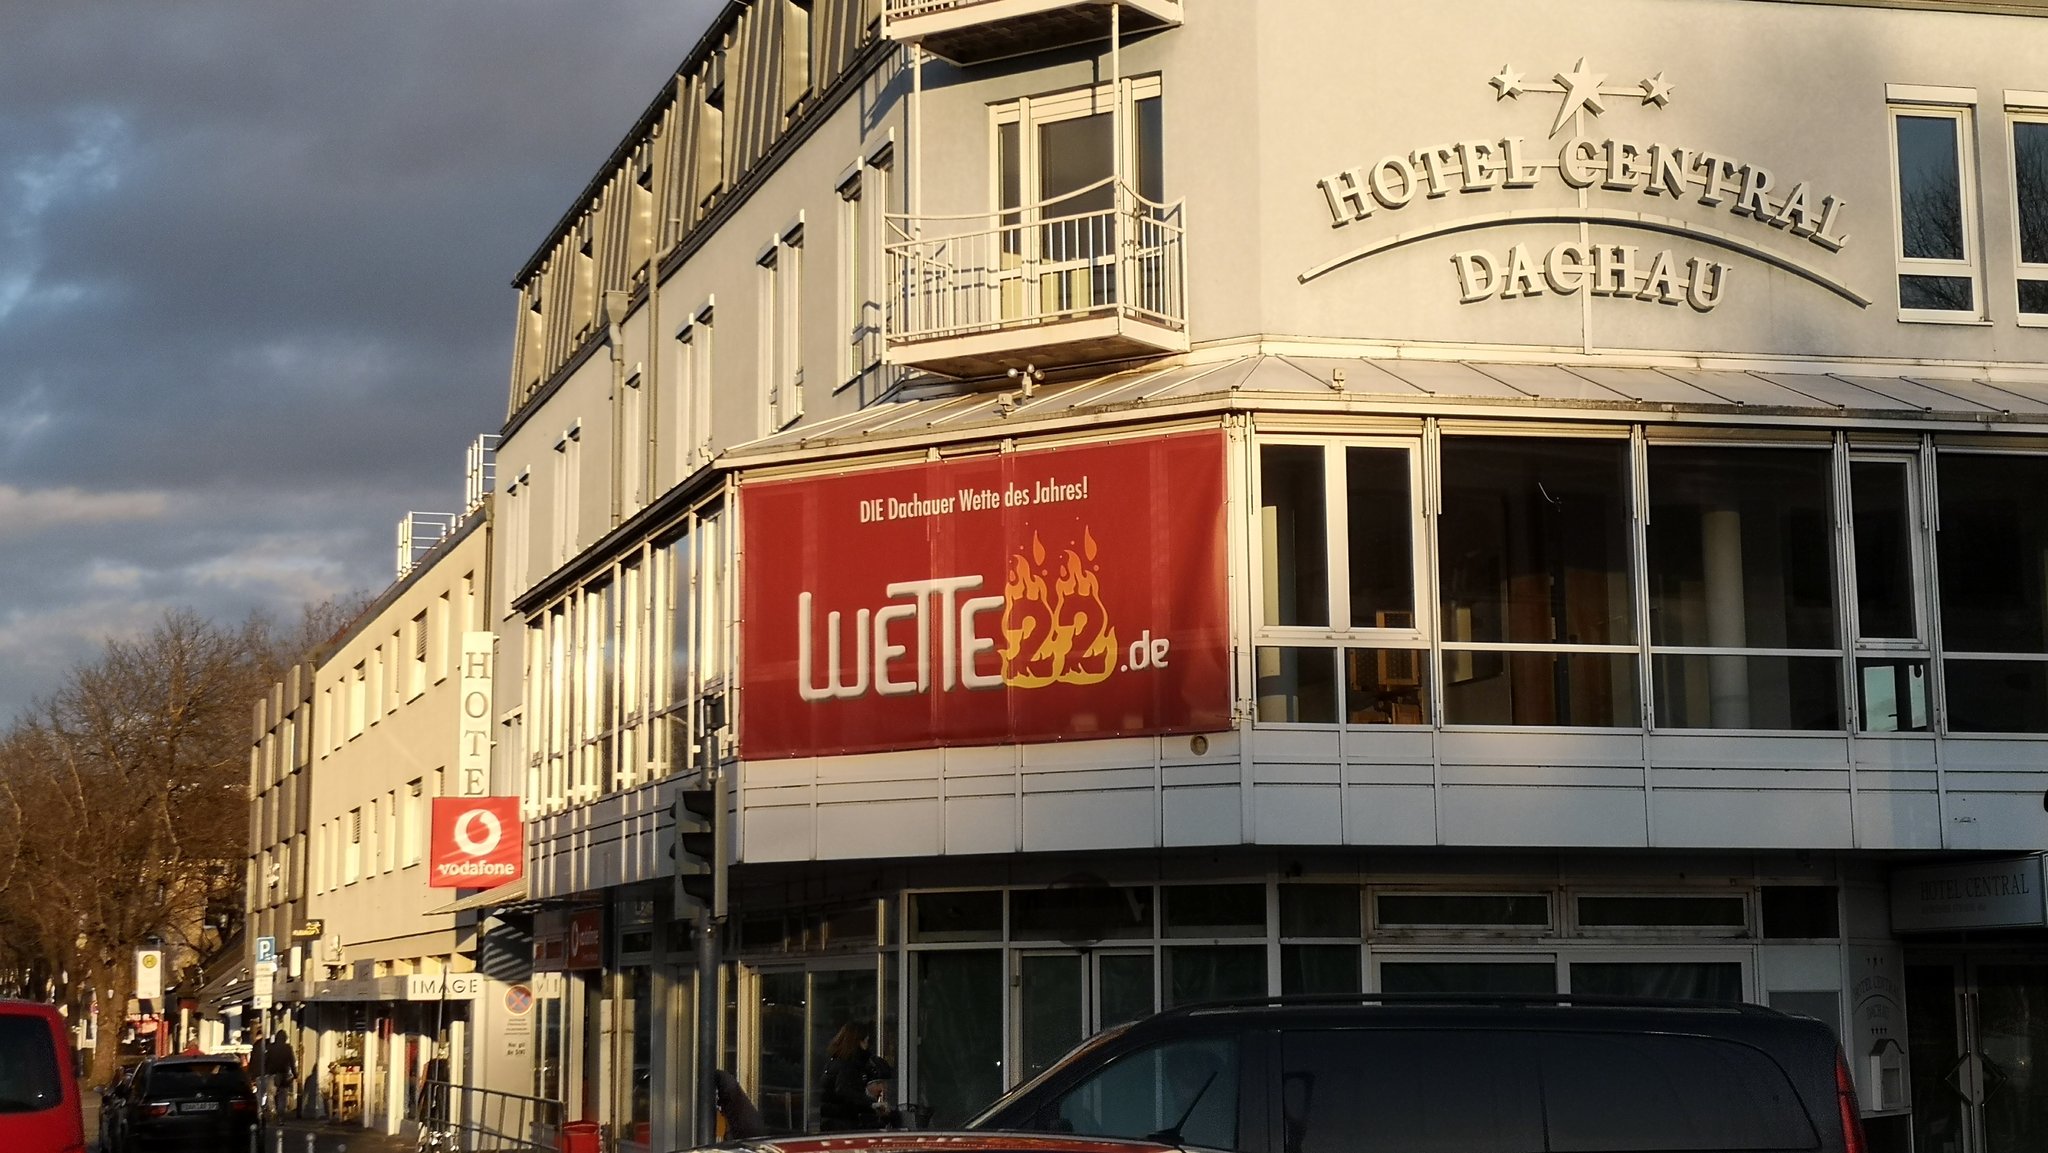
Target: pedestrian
x=846, y=1092
x=738, y=1119
x=281, y=1067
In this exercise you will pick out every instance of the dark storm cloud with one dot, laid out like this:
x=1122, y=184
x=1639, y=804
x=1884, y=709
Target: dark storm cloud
x=253, y=266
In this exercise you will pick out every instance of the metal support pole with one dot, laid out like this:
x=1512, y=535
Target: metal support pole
x=707, y=1028
x=916, y=140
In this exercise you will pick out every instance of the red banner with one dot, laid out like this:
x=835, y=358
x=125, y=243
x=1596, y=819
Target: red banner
x=477, y=843
x=1045, y=595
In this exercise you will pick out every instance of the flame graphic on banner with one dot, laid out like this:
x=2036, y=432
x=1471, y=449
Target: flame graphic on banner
x=1056, y=631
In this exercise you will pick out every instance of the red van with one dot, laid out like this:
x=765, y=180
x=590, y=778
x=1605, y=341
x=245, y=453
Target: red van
x=39, y=1107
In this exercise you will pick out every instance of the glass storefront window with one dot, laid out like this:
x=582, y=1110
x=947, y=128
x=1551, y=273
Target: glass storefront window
x=1386, y=687
x=1533, y=552
x=1296, y=534
x=1456, y=910
x=837, y=998
x=1664, y=912
x=1319, y=969
x=957, y=916
x=1379, y=537
x=1214, y=910
x=1468, y=977
x=1196, y=973
x=779, y=1032
x=1297, y=686
x=1319, y=910
x=1080, y=914
x=1673, y=980
x=1741, y=557
x=959, y=1029
x=1993, y=552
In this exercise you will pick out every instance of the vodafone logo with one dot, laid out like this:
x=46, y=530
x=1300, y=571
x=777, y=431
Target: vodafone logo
x=476, y=842
x=466, y=838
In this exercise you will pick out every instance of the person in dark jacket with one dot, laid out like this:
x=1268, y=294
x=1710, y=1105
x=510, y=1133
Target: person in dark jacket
x=846, y=1092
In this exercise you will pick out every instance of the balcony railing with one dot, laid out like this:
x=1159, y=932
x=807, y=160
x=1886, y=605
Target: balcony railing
x=974, y=31
x=1049, y=285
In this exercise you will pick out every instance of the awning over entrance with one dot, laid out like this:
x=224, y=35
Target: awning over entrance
x=508, y=893
x=1952, y=395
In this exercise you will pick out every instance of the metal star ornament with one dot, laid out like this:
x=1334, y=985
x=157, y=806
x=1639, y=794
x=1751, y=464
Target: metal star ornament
x=1507, y=84
x=1657, y=90
x=1581, y=90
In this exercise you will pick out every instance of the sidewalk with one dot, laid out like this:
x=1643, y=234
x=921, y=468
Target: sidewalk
x=330, y=1137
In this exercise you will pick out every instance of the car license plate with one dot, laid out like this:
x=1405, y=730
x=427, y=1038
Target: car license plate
x=199, y=1107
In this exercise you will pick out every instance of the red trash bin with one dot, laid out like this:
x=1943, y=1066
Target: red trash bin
x=578, y=1137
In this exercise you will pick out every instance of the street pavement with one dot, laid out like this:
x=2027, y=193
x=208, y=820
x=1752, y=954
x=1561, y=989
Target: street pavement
x=327, y=1138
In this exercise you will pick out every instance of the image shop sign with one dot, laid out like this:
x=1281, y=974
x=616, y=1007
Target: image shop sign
x=1639, y=189
x=1043, y=595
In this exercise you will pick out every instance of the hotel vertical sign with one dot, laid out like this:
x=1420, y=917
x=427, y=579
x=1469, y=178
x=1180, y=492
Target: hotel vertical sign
x=1043, y=595
x=473, y=755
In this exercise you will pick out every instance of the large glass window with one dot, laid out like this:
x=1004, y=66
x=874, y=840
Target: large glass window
x=1742, y=588
x=959, y=1032
x=1338, y=561
x=1937, y=260
x=1892, y=654
x=1536, y=582
x=1993, y=550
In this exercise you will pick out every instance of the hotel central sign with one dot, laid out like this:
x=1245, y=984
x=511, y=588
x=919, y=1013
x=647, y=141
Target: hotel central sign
x=1619, y=182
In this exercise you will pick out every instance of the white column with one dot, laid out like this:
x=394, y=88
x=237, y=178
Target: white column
x=1727, y=619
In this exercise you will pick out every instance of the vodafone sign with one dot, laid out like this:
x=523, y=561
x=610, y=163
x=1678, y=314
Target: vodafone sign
x=478, y=843
x=1051, y=594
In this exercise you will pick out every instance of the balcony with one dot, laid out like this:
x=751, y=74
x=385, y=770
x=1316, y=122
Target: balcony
x=975, y=31
x=1049, y=286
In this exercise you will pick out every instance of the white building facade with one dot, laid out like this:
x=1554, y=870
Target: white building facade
x=1150, y=502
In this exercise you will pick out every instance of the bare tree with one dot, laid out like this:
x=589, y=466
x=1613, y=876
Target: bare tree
x=130, y=787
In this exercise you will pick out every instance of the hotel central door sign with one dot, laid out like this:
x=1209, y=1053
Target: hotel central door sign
x=1625, y=183
x=1038, y=595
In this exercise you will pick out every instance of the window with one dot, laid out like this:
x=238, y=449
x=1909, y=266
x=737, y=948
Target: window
x=412, y=832
x=1057, y=176
x=416, y=669
x=352, y=855
x=632, y=449
x=693, y=393
x=1338, y=525
x=2030, y=209
x=1742, y=588
x=797, y=78
x=782, y=365
x=1319, y=939
x=1937, y=251
x=1993, y=552
x=358, y=699
x=1537, y=585
x=1892, y=655
x=865, y=236
x=567, y=484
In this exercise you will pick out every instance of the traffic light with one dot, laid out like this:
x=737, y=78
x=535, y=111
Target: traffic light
x=696, y=852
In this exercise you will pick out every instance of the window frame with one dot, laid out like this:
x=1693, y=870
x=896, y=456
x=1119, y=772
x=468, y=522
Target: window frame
x=1339, y=635
x=1957, y=105
x=2024, y=108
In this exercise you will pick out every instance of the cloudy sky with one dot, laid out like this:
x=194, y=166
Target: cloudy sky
x=254, y=266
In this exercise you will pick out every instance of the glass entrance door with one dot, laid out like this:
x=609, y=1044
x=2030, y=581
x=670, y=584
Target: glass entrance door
x=1979, y=1033
x=1065, y=996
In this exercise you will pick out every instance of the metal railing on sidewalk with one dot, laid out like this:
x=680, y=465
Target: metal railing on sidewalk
x=469, y=1119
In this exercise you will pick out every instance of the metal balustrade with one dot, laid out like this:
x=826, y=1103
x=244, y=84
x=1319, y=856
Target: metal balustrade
x=1027, y=270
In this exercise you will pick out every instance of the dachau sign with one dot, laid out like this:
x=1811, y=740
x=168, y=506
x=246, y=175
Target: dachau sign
x=1628, y=183
x=1042, y=595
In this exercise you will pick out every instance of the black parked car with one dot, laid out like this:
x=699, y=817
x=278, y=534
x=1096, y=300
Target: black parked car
x=203, y=1104
x=1389, y=1074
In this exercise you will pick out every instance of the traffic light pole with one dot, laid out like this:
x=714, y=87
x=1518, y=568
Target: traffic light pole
x=710, y=915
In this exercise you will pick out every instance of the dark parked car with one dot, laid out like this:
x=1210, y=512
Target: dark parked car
x=203, y=1104
x=943, y=1142
x=39, y=1106
x=1453, y=1075
x=112, y=1100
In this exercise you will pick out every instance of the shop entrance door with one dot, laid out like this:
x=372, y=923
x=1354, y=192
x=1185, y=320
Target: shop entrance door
x=1064, y=996
x=1978, y=1027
